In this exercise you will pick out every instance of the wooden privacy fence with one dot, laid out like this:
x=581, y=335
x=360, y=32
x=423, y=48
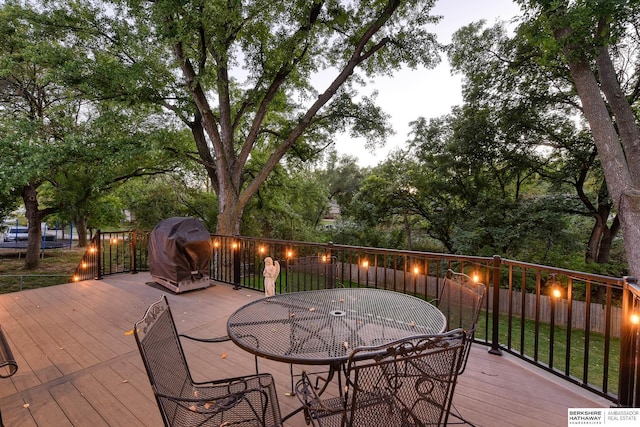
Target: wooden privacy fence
x=580, y=310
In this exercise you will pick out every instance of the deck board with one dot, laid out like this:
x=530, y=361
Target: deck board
x=79, y=366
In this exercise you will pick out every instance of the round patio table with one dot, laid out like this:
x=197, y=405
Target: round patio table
x=322, y=327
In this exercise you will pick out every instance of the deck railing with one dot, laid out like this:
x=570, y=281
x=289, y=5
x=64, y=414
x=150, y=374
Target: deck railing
x=576, y=325
x=113, y=252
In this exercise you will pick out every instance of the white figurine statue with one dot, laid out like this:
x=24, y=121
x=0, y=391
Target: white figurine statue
x=271, y=271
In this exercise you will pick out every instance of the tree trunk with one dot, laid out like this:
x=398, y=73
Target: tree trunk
x=630, y=224
x=604, y=249
x=602, y=235
x=594, y=242
x=625, y=117
x=81, y=229
x=407, y=228
x=30, y=199
x=229, y=214
x=626, y=198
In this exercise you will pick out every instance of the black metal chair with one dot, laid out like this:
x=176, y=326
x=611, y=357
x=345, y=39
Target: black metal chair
x=241, y=401
x=8, y=364
x=409, y=382
x=461, y=301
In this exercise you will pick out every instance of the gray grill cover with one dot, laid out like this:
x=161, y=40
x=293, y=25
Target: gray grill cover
x=179, y=250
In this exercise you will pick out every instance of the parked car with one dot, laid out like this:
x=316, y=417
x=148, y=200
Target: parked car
x=21, y=233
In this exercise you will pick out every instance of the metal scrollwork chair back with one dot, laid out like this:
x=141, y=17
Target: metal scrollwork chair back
x=460, y=301
x=248, y=400
x=407, y=382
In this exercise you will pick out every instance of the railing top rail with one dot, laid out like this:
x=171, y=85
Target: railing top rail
x=368, y=249
x=633, y=286
x=34, y=275
x=592, y=277
x=576, y=275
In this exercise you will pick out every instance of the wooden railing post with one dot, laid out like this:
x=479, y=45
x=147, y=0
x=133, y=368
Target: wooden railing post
x=495, y=331
x=99, y=254
x=236, y=262
x=629, y=376
x=329, y=267
x=134, y=249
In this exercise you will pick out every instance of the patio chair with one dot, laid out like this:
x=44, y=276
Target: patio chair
x=406, y=382
x=248, y=400
x=8, y=365
x=460, y=301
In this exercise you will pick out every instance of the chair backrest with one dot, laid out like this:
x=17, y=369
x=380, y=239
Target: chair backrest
x=460, y=301
x=241, y=401
x=8, y=365
x=163, y=357
x=407, y=382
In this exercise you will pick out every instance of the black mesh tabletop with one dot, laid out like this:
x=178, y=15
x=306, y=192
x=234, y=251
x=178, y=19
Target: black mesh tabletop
x=322, y=327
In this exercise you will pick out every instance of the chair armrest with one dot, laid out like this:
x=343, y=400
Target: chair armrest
x=8, y=365
x=215, y=340
x=212, y=340
x=213, y=405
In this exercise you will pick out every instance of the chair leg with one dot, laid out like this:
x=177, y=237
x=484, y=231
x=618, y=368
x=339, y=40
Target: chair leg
x=293, y=391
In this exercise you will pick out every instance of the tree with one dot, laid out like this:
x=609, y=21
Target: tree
x=535, y=106
x=57, y=139
x=155, y=198
x=590, y=35
x=114, y=147
x=342, y=177
x=275, y=50
x=33, y=111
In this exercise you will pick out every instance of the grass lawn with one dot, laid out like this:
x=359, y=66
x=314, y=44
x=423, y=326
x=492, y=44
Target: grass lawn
x=567, y=359
x=56, y=267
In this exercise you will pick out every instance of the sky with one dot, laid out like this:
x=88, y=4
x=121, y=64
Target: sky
x=410, y=94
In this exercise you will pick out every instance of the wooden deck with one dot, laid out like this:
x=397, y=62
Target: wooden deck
x=79, y=364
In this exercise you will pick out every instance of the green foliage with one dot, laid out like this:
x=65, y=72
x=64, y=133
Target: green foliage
x=288, y=206
x=67, y=133
x=274, y=82
x=510, y=172
x=156, y=198
x=533, y=107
